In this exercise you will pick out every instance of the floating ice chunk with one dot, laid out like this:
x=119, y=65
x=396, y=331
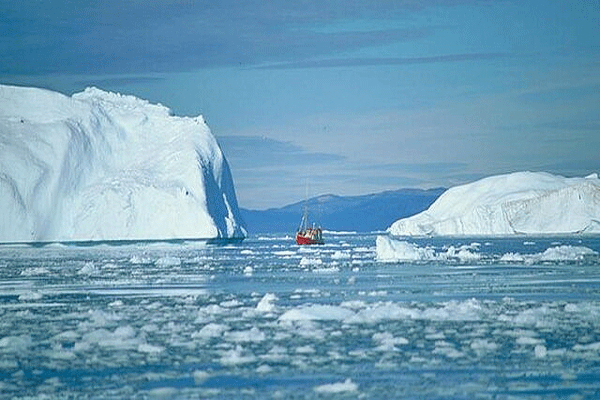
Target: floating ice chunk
x=266, y=303
x=136, y=259
x=308, y=349
x=468, y=310
x=148, y=348
x=387, y=342
x=528, y=341
x=248, y=270
x=275, y=354
x=538, y=317
x=338, y=387
x=200, y=376
x=65, y=336
x=556, y=253
x=382, y=312
x=208, y=312
x=16, y=344
x=566, y=253
x=540, y=351
x=210, y=330
x=163, y=393
x=284, y=253
x=447, y=349
x=587, y=347
x=391, y=250
x=253, y=335
x=326, y=270
x=168, y=262
x=231, y=303
x=264, y=369
x=88, y=269
x=306, y=261
x=463, y=254
x=512, y=257
x=317, y=312
x=237, y=356
x=483, y=346
x=123, y=338
x=35, y=271
x=341, y=255
x=149, y=328
x=59, y=353
x=31, y=295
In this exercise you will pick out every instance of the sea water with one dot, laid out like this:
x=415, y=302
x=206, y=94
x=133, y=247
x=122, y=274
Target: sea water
x=466, y=318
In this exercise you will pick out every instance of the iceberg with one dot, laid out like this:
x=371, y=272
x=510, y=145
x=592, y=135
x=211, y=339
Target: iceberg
x=104, y=166
x=511, y=204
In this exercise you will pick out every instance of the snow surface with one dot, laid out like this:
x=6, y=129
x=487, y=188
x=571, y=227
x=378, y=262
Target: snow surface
x=104, y=166
x=517, y=203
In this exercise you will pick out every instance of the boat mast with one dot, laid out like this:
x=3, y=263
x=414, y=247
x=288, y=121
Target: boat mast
x=304, y=221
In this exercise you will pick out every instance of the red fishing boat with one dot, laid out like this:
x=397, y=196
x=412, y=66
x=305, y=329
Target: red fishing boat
x=307, y=234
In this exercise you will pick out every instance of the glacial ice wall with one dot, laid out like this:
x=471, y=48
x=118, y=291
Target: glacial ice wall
x=104, y=166
x=517, y=203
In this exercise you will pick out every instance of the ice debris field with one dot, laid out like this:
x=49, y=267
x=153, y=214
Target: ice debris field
x=364, y=316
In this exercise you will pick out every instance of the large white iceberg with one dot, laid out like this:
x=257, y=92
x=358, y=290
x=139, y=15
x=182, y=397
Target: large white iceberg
x=103, y=166
x=517, y=203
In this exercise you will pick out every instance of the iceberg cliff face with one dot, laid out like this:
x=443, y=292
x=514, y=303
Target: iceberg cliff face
x=102, y=166
x=518, y=203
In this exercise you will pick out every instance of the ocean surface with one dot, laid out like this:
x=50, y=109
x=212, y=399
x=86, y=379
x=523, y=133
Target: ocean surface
x=443, y=318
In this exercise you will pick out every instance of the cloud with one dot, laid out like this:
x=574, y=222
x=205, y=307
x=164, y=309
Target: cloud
x=426, y=167
x=119, y=81
x=135, y=36
x=363, y=62
x=252, y=152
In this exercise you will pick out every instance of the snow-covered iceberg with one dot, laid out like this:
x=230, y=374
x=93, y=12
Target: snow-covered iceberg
x=517, y=203
x=104, y=166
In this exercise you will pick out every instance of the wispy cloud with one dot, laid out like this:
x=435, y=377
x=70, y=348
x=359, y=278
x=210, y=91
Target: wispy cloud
x=251, y=152
x=126, y=37
x=120, y=81
x=357, y=62
x=425, y=167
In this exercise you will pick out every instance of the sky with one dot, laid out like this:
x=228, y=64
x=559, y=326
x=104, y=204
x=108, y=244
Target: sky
x=350, y=97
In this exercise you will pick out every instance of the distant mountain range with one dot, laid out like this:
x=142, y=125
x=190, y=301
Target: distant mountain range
x=367, y=213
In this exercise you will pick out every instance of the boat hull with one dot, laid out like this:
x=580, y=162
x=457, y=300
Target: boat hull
x=302, y=240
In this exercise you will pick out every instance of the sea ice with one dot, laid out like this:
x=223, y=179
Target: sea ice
x=390, y=250
x=265, y=304
x=316, y=312
x=394, y=250
x=211, y=330
x=237, y=356
x=338, y=387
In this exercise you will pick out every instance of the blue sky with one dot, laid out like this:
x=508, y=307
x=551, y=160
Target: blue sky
x=352, y=97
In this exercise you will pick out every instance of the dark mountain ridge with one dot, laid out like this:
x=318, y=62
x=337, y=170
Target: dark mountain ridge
x=365, y=213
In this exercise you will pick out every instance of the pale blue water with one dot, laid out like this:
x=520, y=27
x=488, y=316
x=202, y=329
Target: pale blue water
x=508, y=318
